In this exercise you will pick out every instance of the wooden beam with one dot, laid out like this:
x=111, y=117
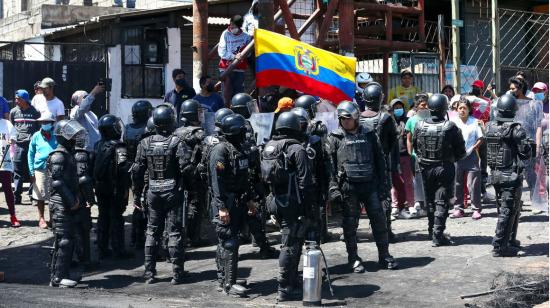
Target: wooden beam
x=421, y=22
x=331, y=9
x=381, y=30
x=346, y=22
x=309, y=22
x=287, y=15
x=407, y=10
x=389, y=26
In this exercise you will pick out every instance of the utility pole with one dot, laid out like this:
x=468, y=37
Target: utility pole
x=495, y=44
x=456, y=44
x=200, y=40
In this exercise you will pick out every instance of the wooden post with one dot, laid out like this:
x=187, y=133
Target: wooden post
x=346, y=25
x=441, y=45
x=456, y=46
x=495, y=44
x=200, y=39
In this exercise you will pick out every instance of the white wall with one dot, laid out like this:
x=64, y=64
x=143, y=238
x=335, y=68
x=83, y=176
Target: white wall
x=35, y=52
x=122, y=107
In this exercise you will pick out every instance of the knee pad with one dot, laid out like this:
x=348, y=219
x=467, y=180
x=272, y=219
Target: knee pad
x=173, y=239
x=231, y=244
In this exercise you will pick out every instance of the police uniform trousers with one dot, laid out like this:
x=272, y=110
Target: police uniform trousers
x=83, y=225
x=110, y=223
x=509, y=203
x=292, y=240
x=438, y=180
x=63, y=222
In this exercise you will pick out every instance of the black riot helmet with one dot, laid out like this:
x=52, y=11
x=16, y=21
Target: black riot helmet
x=141, y=111
x=243, y=104
x=220, y=115
x=438, y=104
x=348, y=110
x=287, y=123
x=233, y=125
x=164, y=119
x=303, y=116
x=150, y=128
x=373, y=94
x=307, y=102
x=67, y=132
x=190, y=110
x=110, y=127
x=506, y=108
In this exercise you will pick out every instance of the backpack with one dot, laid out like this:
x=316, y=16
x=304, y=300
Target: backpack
x=274, y=162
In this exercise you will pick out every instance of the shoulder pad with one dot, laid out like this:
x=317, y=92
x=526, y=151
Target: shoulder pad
x=313, y=139
x=448, y=125
x=338, y=133
x=57, y=157
x=384, y=117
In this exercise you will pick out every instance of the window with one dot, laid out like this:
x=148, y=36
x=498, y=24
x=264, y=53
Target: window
x=143, y=59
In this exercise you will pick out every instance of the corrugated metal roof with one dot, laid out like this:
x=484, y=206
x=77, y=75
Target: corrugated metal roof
x=222, y=21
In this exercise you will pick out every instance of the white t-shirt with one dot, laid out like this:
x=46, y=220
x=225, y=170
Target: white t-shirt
x=471, y=131
x=54, y=106
x=7, y=132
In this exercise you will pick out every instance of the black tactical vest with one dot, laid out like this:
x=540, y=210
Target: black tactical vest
x=501, y=148
x=432, y=146
x=132, y=136
x=355, y=156
x=162, y=163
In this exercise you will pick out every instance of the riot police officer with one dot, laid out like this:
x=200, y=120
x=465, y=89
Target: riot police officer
x=165, y=159
x=232, y=199
x=315, y=127
x=134, y=132
x=84, y=167
x=315, y=150
x=507, y=144
x=193, y=135
x=361, y=81
x=111, y=167
x=285, y=168
x=386, y=129
x=358, y=175
x=63, y=187
x=438, y=144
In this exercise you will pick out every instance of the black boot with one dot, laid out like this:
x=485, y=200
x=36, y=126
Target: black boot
x=231, y=286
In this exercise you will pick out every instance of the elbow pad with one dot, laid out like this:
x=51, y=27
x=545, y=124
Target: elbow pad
x=57, y=183
x=84, y=180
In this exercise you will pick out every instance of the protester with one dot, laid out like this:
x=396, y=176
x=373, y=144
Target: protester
x=284, y=104
x=181, y=92
x=539, y=91
x=51, y=104
x=251, y=19
x=402, y=178
x=481, y=105
x=405, y=90
x=232, y=42
x=522, y=75
x=42, y=144
x=449, y=91
x=421, y=113
x=468, y=166
x=81, y=112
x=23, y=117
x=7, y=139
x=208, y=97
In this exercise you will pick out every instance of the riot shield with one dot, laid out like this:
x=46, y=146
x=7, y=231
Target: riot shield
x=262, y=123
x=539, y=193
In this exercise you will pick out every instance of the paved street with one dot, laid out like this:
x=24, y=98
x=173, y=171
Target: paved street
x=428, y=277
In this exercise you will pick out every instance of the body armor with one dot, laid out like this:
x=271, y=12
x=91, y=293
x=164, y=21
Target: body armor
x=111, y=167
x=317, y=128
x=62, y=178
x=355, y=160
x=239, y=169
x=432, y=144
x=84, y=172
x=132, y=136
x=501, y=147
x=161, y=164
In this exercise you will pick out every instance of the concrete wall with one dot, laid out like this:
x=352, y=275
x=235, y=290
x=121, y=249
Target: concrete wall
x=121, y=107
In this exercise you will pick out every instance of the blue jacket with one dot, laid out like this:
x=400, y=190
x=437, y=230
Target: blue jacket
x=39, y=149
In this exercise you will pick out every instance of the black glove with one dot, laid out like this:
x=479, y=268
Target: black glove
x=335, y=195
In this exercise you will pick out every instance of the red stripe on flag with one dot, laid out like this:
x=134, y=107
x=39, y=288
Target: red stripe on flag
x=301, y=83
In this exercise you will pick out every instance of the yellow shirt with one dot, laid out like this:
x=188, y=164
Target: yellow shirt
x=402, y=92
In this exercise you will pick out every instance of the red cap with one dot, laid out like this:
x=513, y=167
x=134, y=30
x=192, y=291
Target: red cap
x=478, y=83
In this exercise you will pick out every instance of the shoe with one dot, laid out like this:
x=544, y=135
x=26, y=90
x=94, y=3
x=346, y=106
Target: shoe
x=177, y=279
x=395, y=212
x=357, y=266
x=457, y=214
x=63, y=283
x=268, y=252
x=442, y=240
x=289, y=294
x=388, y=263
x=17, y=200
x=506, y=252
x=476, y=215
x=413, y=212
x=42, y=224
x=515, y=244
x=404, y=214
x=150, y=277
x=14, y=222
x=237, y=290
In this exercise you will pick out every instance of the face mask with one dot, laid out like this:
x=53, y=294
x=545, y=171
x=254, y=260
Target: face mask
x=180, y=82
x=398, y=112
x=539, y=96
x=423, y=113
x=235, y=30
x=210, y=87
x=47, y=127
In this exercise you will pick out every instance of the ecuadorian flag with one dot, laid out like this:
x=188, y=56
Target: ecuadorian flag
x=283, y=61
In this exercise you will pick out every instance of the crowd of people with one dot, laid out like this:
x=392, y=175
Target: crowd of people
x=405, y=155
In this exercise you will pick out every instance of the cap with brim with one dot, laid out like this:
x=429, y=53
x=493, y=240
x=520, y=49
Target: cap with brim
x=395, y=101
x=46, y=83
x=46, y=117
x=284, y=104
x=541, y=86
x=22, y=94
